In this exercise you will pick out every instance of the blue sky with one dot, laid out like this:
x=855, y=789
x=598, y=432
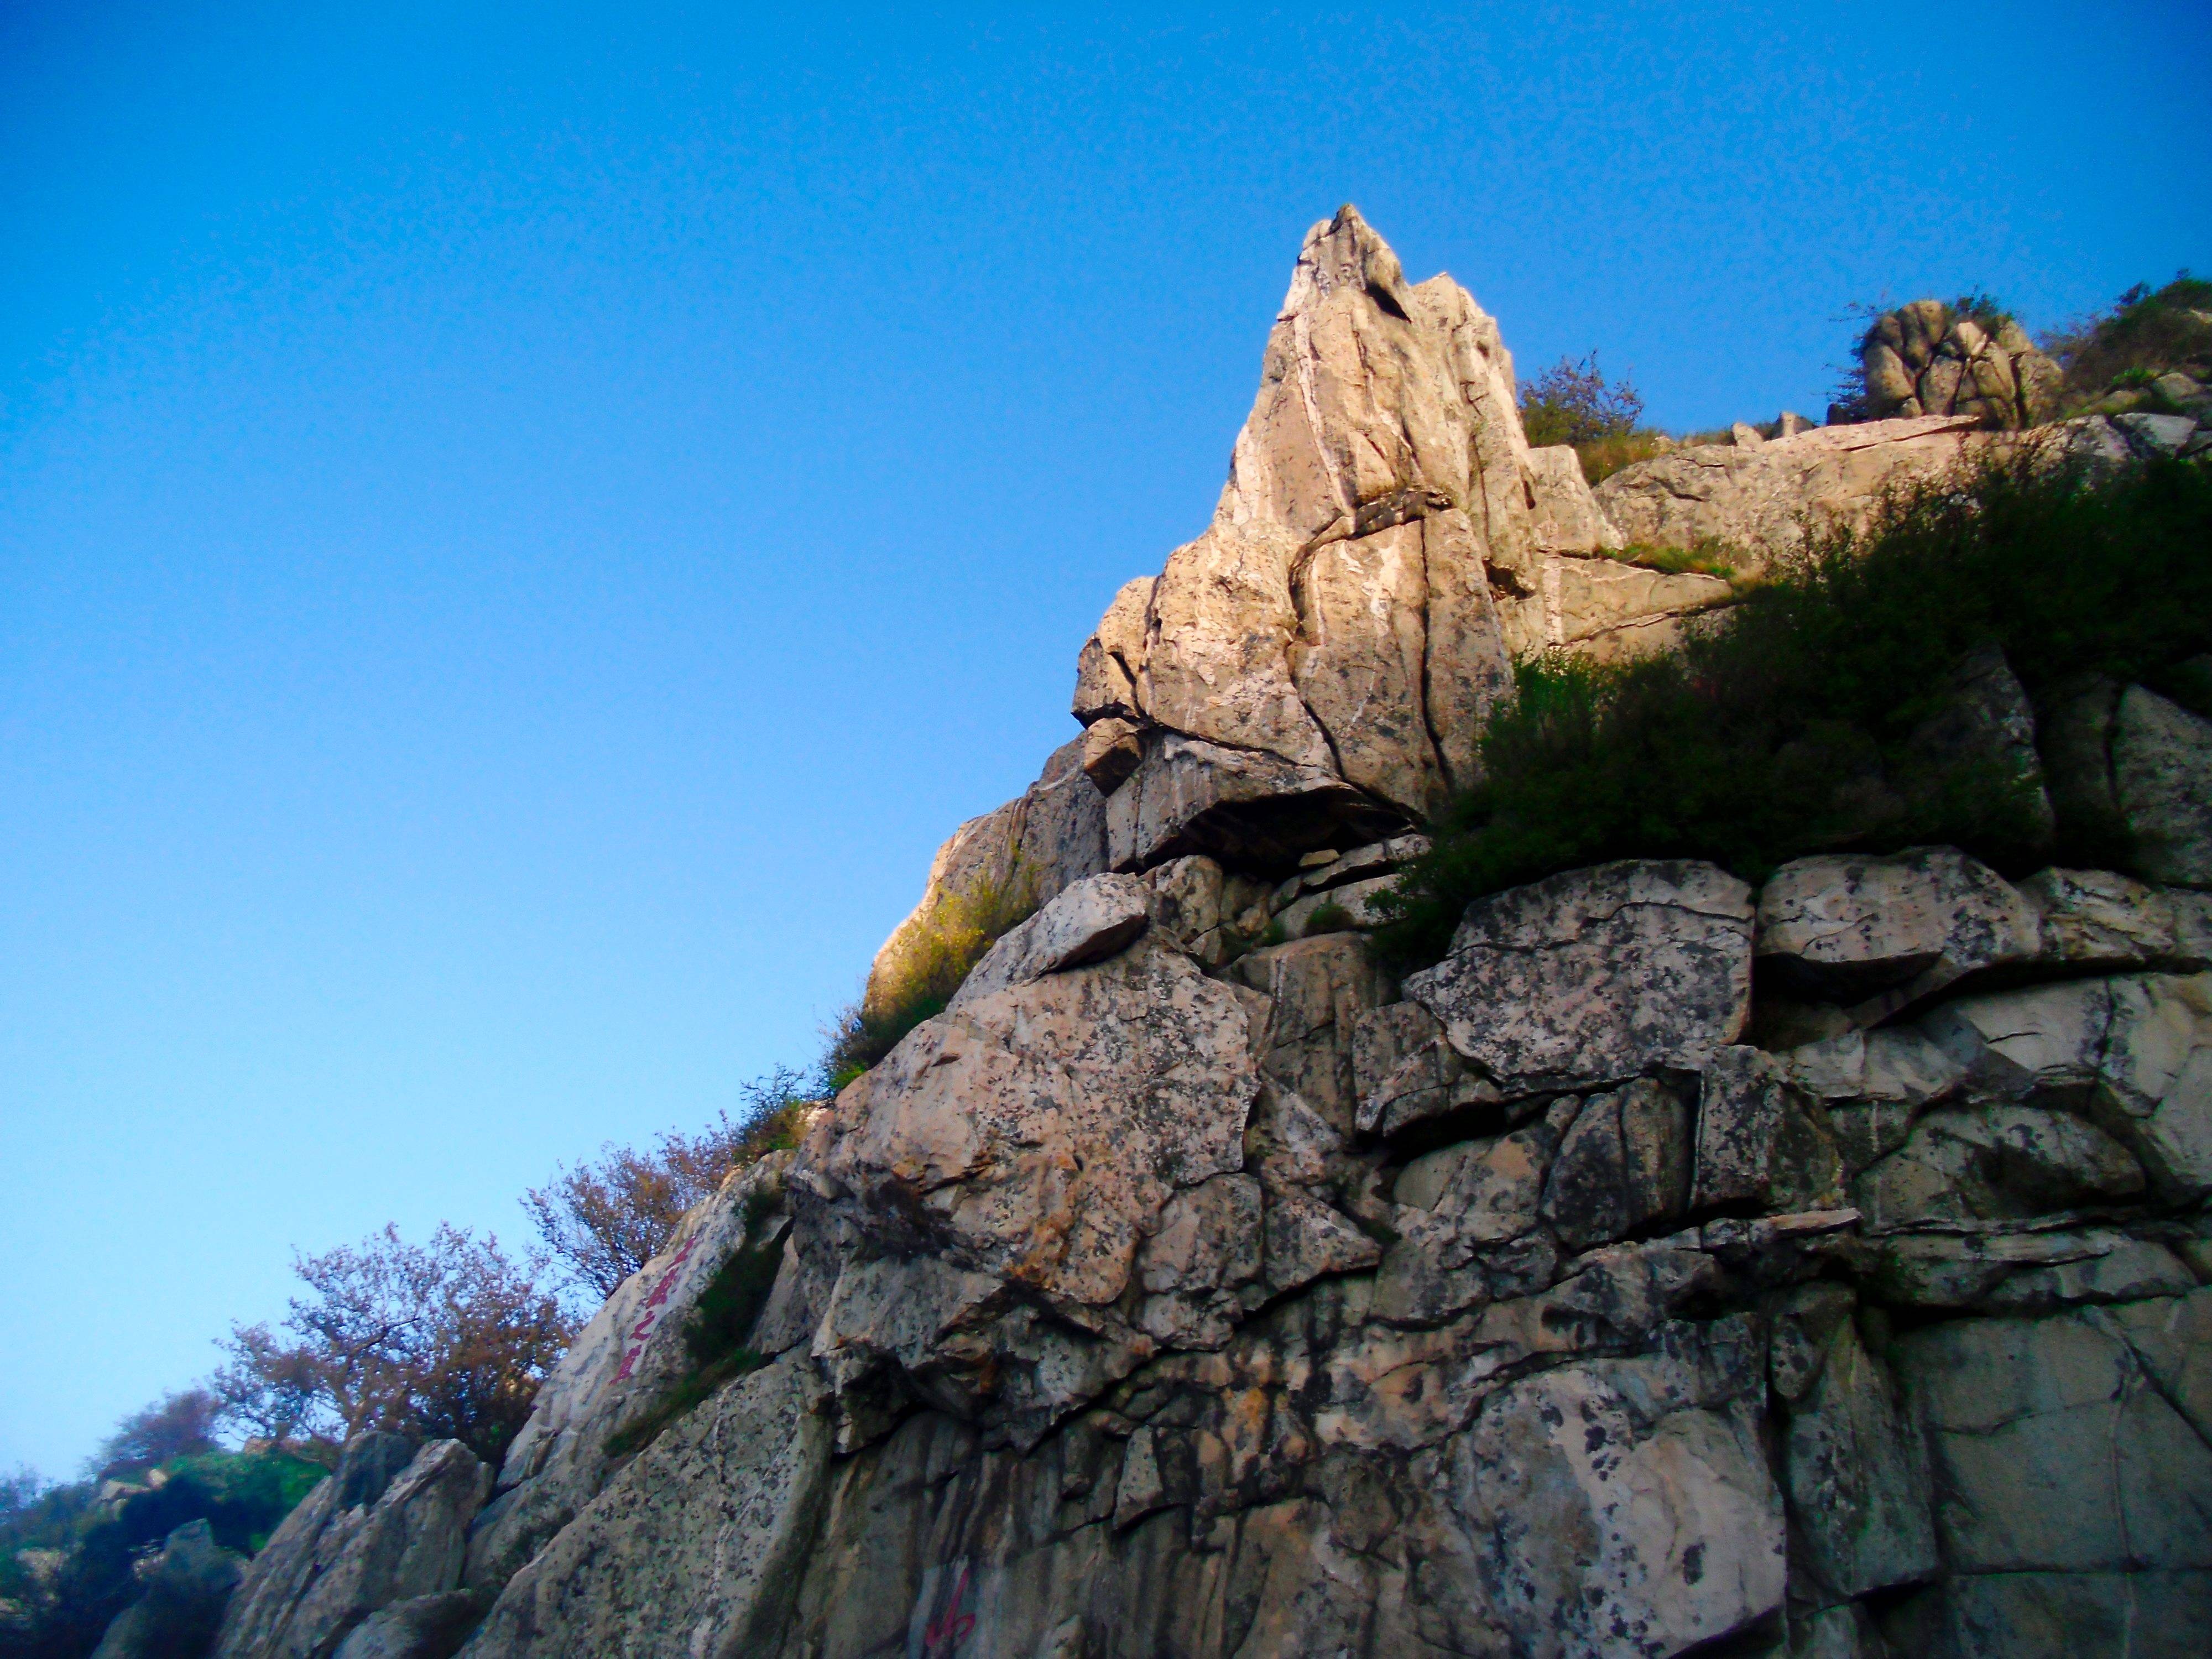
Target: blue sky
x=521, y=528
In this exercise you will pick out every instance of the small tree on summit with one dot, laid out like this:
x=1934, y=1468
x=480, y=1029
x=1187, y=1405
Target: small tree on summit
x=1573, y=403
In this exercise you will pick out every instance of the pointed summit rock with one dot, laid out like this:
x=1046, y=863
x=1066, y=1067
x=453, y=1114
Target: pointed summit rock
x=1352, y=611
x=1314, y=670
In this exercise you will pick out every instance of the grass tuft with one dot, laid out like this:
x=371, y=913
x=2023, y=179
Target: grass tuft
x=928, y=967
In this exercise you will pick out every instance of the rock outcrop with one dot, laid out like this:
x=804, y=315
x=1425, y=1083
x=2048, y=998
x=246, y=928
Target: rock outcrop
x=1676, y=1266
x=1313, y=671
x=615, y=1373
x=1140, y=1306
x=1753, y=498
x=388, y=1529
x=1925, y=358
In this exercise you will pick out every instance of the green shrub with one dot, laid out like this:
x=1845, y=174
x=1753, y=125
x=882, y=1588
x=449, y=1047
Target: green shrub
x=243, y=1495
x=2141, y=336
x=927, y=967
x=1786, y=730
x=1573, y=403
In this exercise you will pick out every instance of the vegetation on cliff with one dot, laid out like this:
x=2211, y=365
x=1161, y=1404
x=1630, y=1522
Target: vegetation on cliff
x=940, y=949
x=1796, y=723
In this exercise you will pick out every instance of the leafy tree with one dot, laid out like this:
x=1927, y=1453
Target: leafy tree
x=603, y=1221
x=176, y=1426
x=448, y=1339
x=1573, y=403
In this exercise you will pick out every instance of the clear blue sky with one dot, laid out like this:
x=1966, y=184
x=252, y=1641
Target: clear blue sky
x=522, y=527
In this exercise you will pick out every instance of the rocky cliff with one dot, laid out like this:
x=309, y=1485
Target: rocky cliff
x=1673, y=1267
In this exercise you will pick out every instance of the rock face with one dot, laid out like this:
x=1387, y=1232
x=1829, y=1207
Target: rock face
x=1596, y=975
x=1926, y=359
x=1750, y=499
x=1027, y=851
x=613, y=1373
x=1314, y=670
x=1147, y=1302
x=1192, y=1286
x=389, y=1527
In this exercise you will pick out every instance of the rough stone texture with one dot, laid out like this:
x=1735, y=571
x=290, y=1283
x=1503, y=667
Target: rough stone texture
x=423, y=1627
x=1596, y=976
x=1923, y=359
x=1995, y=1162
x=1606, y=610
x=1029, y=1141
x=1566, y=516
x=2053, y=1452
x=1759, y=1141
x=2133, y=1053
x=693, y=1547
x=1881, y=933
x=1317, y=990
x=364, y=1538
x=1758, y=500
x=1860, y=1501
x=1113, y=747
x=2161, y=758
x=1623, y=1165
x=620, y=1363
x=1589, y=1476
x=1131, y=1335
x=1249, y=807
x=2096, y=919
x=187, y=1586
x=1095, y=918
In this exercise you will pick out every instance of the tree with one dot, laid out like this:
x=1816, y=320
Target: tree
x=602, y=1221
x=176, y=1426
x=446, y=1340
x=1573, y=403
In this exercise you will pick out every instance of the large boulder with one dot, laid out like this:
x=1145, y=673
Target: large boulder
x=998, y=1172
x=377, y=1531
x=1880, y=933
x=1925, y=358
x=1094, y=919
x=1596, y=976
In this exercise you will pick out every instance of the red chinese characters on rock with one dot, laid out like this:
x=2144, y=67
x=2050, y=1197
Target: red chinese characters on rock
x=654, y=1305
x=943, y=1635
